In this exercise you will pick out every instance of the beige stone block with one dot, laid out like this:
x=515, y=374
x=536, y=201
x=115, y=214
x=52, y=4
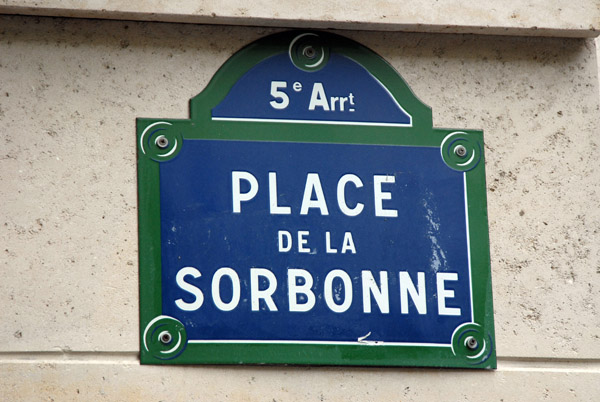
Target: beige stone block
x=126, y=381
x=510, y=17
x=71, y=90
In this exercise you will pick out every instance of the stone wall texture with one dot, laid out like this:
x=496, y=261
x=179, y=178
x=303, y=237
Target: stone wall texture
x=70, y=91
x=563, y=18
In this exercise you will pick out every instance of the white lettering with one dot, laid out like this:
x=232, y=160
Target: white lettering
x=313, y=184
x=343, y=100
x=337, y=289
x=238, y=196
x=348, y=243
x=341, y=194
x=334, y=99
x=381, y=296
x=302, y=241
x=318, y=98
x=418, y=297
x=265, y=294
x=216, y=289
x=328, y=248
x=294, y=289
x=188, y=287
x=443, y=293
x=328, y=290
x=380, y=195
x=274, y=208
x=281, y=235
x=277, y=94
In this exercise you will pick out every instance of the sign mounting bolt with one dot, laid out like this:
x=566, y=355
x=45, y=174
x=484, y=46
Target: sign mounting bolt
x=165, y=337
x=309, y=52
x=460, y=151
x=471, y=343
x=162, y=142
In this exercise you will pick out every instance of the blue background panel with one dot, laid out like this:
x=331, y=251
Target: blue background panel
x=199, y=229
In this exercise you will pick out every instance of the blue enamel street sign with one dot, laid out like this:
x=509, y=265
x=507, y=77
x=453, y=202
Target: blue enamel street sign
x=309, y=213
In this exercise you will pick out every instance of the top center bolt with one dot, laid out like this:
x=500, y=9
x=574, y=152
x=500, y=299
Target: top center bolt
x=309, y=52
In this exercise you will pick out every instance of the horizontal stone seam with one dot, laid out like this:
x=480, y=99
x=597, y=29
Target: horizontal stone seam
x=132, y=358
x=69, y=357
x=548, y=364
x=536, y=31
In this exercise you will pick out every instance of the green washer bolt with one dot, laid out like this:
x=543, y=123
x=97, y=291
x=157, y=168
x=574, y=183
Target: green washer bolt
x=165, y=337
x=471, y=343
x=309, y=52
x=162, y=142
x=460, y=151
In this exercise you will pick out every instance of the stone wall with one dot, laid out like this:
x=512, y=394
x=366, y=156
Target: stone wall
x=70, y=91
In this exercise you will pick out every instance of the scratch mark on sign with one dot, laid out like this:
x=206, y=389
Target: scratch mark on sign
x=363, y=339
x=438, y=257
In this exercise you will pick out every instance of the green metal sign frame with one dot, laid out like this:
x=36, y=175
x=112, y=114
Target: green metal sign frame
x=473, y=344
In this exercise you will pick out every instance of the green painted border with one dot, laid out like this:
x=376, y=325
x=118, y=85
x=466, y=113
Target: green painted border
x=200, y=126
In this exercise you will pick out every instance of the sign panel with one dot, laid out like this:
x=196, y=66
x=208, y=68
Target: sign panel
x=309, y=213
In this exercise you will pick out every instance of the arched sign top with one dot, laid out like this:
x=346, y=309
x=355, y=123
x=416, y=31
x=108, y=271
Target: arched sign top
x=310, y=78
x=342, y=92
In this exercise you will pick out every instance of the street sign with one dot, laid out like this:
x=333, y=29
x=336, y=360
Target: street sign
x=309, y=213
